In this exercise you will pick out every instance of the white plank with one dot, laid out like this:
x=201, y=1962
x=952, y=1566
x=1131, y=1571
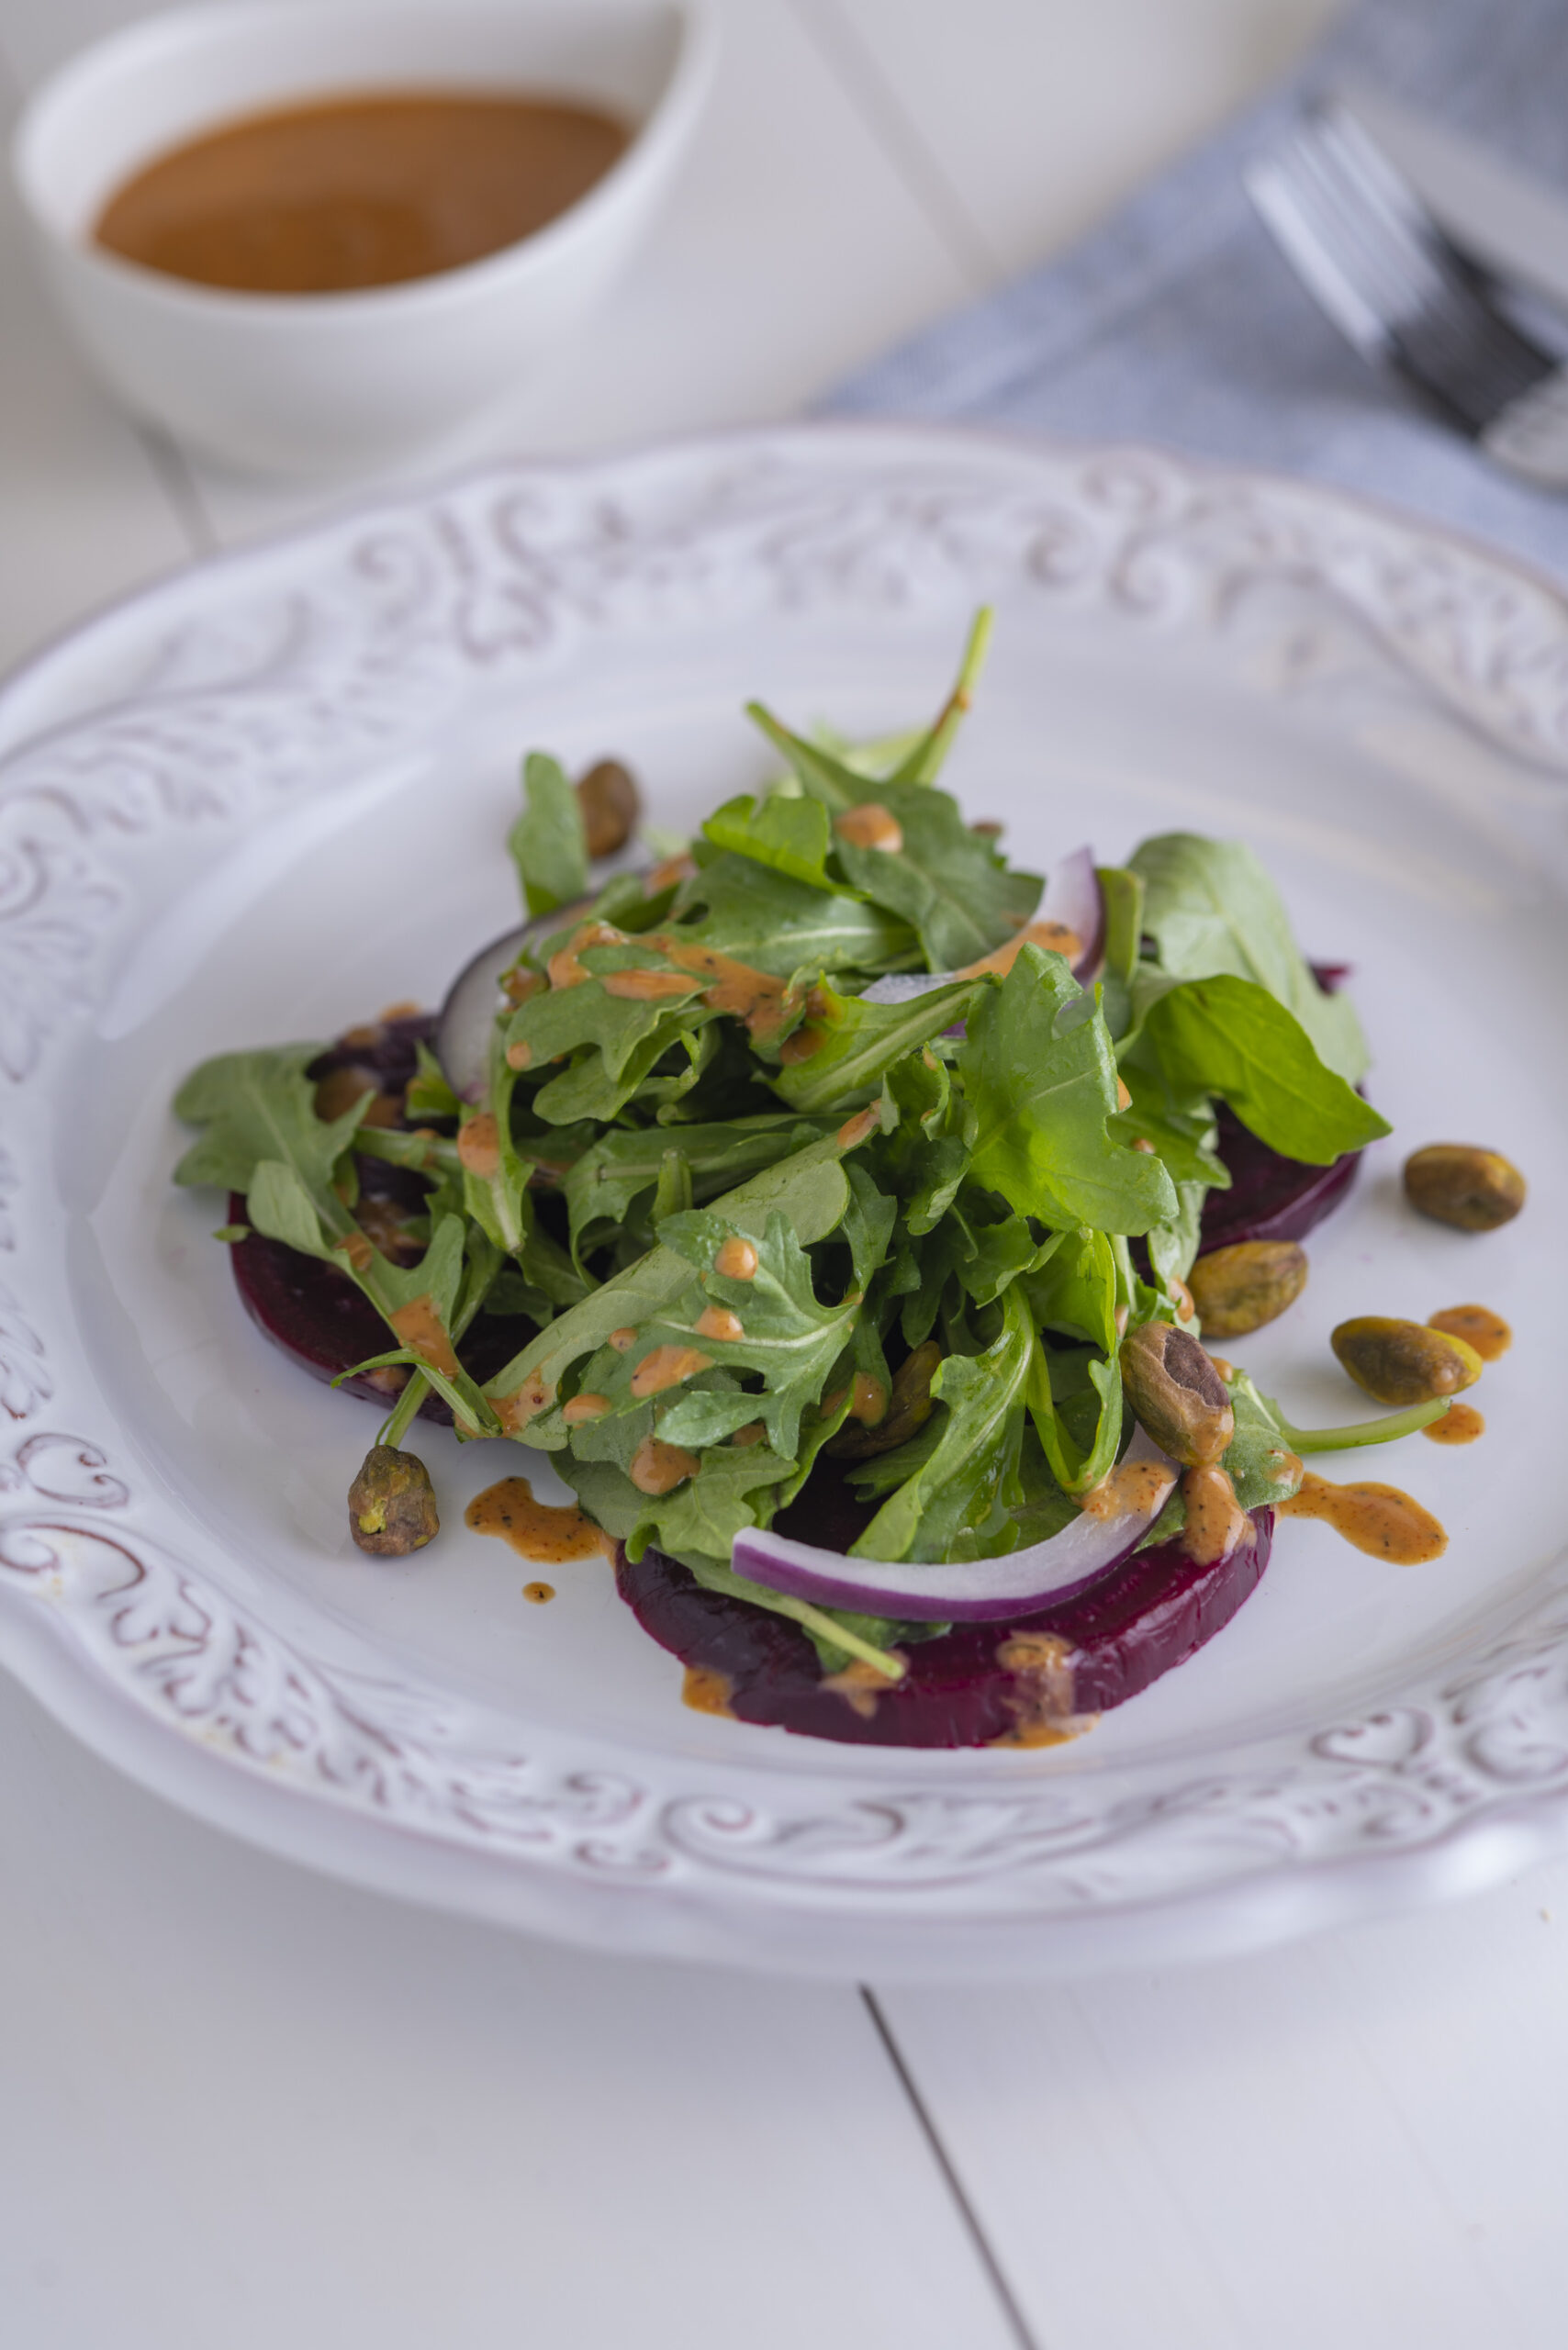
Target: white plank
x=1026, y=124
x=244, y=2106
x=1358, y=2140
x=85, y=517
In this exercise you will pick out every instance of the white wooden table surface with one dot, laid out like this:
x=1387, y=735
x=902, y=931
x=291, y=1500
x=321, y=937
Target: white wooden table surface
x=243, y=2106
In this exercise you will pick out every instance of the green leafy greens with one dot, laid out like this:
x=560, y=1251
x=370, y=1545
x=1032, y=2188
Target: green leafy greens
x=754, y=1213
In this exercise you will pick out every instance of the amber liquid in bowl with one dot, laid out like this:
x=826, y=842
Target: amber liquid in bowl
x=346, y=194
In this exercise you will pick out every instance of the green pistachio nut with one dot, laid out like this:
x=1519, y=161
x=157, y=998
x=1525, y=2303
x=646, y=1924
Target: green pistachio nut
x=611, y=806
x=1238, y=1289
x=1176, y=1393
x=1404, y=1363
x=392, y=1504
x=1459, y=1183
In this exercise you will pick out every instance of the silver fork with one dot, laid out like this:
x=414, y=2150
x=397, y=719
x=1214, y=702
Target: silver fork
x=1363, y=243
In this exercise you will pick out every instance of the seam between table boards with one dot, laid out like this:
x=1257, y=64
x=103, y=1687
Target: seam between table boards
x=996, y=2276
x=844, y=50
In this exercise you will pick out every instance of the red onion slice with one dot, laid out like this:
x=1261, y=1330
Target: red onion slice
x=972, y=1593
x=1072, y=895
x=468, y=1017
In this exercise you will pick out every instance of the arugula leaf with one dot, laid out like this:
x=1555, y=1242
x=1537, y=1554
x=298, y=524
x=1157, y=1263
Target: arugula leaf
x=923, y=761
x=1211, y=908
x=1260, y=1462
x=611, y=1042
x=884, y=1473
x=982, y=1247
x=606, y=1492
x=957, y=1501
x=705, y=1514
x=1178, y=1125
x=785, y=1335
x=782, y=925
x=1075, y=1291
x=928, y=1152
x=869, y=1223
x=1122, y=894
x=826, y=777
x=263, y=1137
x=1173, y=1247
x=261, y=1105
x=620, y=1169
x=955, y=890
x=1079, y=1454
x=560, y=1019
x=498, y=1201
x=1230, y=1037
x=1385, y=1429
x=810, y=1188
x=791, y=833
x=281, y=1208
x=470, y=1412
x=1046, y=1507
x=853, y=1043
x=418, y=1303
x=553, y=1280
x=1038, y=1066
x=961, y=898
x=436, y=1281
x=427, y=1094
x=547, y=841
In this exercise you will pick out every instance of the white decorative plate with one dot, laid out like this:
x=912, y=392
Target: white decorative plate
x=267, y=798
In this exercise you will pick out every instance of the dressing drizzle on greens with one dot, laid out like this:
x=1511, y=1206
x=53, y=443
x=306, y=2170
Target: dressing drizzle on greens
x=756, y=1217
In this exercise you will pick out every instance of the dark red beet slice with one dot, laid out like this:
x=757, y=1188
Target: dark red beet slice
x=314, y=1312
x=1271, y=1198
x=981, y=1684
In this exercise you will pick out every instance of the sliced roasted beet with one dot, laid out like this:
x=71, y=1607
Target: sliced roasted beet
x=386, y=1050
x=320, y=1320
x=1270, y=1197
x=981, y=1684
x=315, y=1314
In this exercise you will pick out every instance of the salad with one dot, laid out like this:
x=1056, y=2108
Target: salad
x=825, y=1202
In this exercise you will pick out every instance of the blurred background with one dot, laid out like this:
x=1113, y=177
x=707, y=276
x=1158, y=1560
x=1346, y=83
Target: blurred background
x=861, y=167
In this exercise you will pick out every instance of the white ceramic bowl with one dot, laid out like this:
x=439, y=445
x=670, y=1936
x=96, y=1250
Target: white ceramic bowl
x=335, y=382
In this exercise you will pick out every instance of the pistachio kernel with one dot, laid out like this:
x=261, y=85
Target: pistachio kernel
x=1459, y=1183
x=1176, y=1394
x=611, y=806
x=1404, y=1363
x=392, y=1504
x=1238, y=1289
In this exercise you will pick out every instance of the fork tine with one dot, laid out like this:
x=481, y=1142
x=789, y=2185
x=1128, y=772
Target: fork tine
x=1358, y=258
x=1368, y=169
x=1386, y=275
x=1405, y=274
x=1274, y=192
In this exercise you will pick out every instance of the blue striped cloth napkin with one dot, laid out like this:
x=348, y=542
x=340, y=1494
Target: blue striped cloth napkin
x=1180, y=322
